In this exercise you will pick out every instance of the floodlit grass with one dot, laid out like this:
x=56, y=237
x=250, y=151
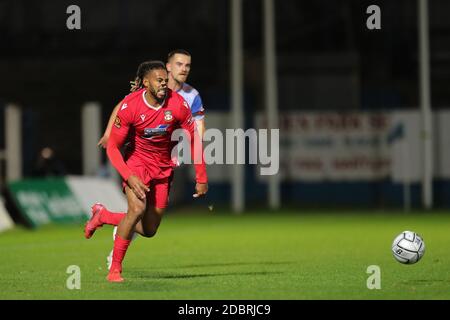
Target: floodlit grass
x=259, y=255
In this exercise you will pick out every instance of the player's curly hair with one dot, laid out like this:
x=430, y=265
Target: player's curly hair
x=143, y=69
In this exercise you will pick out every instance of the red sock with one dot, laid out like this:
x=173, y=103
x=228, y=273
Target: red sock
x=112, y=218
x=120, y=248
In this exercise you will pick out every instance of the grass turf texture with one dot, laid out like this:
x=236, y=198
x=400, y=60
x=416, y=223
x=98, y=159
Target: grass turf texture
x=288, y=255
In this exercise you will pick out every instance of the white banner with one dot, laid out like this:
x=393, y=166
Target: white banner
x=333, y=146
x=406, y=146
x=361, y=146
x=5, y=220
x=442, y=144
x=89, y=190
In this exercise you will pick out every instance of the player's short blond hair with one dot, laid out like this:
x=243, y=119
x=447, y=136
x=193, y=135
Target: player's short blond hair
x=177, y=51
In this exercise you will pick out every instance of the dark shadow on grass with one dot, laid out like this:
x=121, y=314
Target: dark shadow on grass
x=227, y=264
x=425, y=281
x=157, y=275
x=147, y=281
x=157, y=282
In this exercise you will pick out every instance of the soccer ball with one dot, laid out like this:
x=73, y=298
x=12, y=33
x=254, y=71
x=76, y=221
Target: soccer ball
x=408, y=247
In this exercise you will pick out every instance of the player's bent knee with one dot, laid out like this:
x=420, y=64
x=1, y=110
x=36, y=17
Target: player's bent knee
x=149, y=233
x=136, y=211
x=159, y=211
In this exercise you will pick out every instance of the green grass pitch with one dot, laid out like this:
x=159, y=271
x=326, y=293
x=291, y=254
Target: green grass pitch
x=259, y=255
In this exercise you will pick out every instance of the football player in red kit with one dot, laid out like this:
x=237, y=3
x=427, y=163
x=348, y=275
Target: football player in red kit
x=147, y=119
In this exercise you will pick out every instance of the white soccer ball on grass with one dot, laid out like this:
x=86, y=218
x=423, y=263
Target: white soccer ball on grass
x=408, y=247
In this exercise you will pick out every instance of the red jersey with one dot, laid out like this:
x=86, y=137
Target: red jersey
x=149, y=130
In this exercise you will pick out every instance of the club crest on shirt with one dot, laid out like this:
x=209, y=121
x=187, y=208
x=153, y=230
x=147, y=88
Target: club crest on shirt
x=117, y=122
x=168, y=115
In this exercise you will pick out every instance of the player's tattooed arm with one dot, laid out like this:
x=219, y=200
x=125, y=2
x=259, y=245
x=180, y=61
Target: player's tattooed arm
x=103, y=142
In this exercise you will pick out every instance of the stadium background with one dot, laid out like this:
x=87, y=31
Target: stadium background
x=328, y=64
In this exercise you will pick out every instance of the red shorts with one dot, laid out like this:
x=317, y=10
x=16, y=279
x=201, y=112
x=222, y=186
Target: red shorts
x=158, y=196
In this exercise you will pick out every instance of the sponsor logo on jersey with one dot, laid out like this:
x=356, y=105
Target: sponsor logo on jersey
x=185, y=104
x=168, y=115
x=124, y=106
x=160, y=130
x=117, y=122
x=143, y=117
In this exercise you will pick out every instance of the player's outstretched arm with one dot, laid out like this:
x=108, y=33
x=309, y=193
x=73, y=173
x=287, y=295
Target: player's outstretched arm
x=201, y=176
x=115, y=141
x=103, y=142
x=200, y=189
x=187, y=123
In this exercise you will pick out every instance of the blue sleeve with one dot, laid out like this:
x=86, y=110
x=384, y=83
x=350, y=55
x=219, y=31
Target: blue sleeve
x=197, y=106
